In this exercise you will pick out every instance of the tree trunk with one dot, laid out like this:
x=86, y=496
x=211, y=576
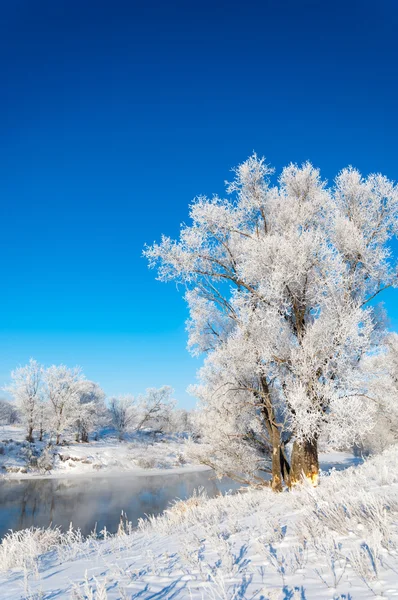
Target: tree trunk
x=58, y=439
x=305, y=462
x=276, y=483
x=285, y=466
x=29, y=437
x=280, y=465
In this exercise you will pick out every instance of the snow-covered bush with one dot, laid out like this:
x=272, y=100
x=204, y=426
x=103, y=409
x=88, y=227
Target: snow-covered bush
x=22, y=548
x=45, y=461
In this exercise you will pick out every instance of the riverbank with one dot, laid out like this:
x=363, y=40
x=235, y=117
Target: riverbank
x=339, y=541
x=138, y=454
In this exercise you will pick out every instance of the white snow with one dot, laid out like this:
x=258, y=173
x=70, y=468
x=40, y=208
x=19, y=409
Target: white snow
x=140, y=454
x=338, y=541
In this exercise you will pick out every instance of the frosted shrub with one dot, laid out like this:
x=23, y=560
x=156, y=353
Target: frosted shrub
x=22, y=548
x=330, y=551
x=365, y=562
x=45, y=462
x=198, y=498
x=146, y=463
x=87, y=591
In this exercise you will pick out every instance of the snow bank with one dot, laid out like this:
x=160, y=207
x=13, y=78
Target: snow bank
x=339, y=541
x=139, y=454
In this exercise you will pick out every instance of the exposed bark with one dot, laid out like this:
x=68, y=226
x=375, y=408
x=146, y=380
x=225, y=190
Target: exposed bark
x=285, y=466
x=280, y=467
x=280, y=464
x=29, y=437
x=305, y=462
x=276, y=483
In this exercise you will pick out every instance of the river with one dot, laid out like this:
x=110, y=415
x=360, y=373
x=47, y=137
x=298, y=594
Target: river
x=97, y=501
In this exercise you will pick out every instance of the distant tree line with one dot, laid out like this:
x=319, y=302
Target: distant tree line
x=59, y=400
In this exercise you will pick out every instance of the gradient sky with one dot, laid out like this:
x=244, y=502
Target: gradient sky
x=114, y=115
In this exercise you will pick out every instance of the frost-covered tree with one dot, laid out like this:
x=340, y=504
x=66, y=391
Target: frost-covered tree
x=25, y=389
x=152, y=410
x=156, y=408
x=8, y=412
x=381, y=369
x=124, y=413
x=279, y=280
x=62, y=394
x=90, y=409
x=181, y=421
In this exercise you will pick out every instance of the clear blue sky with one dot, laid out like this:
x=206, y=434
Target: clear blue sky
x=114, y=115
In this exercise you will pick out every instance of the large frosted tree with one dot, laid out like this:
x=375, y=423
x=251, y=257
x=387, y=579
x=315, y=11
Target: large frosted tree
x=279, y=279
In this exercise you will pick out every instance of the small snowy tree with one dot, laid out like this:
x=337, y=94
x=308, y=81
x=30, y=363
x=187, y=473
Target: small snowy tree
x=381, y=370
x=8, y=412
x=279, y=280
x=26, y=392
x=181, y=421
x=156, y=408
x=61, y=391
x=90, y=409
x=124, y=413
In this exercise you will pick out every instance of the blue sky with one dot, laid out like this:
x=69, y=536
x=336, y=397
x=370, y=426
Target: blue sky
x=115, y=115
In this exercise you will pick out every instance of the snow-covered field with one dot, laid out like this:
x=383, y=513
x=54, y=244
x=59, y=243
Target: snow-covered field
x=138, y=454
x=339, y=541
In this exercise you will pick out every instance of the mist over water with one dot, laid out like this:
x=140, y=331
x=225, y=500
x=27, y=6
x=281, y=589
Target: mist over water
x=98, y=501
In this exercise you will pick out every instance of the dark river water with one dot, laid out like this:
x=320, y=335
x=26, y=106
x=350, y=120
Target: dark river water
x=97, y=501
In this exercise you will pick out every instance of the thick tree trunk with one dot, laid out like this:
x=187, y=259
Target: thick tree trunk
x=276, y=482
x=305, y=462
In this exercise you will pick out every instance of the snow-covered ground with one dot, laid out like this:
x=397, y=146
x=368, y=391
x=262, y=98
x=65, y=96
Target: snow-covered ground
x=137, y=454
x=339, y=541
